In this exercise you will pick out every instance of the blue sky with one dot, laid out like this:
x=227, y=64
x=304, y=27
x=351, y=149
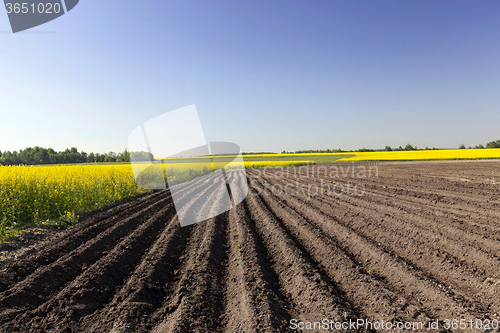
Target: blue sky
x=267, y=75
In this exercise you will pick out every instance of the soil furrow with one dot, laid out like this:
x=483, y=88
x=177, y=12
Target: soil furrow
x=252, y=301
x=465, y=281
x=312, y=293
x=469, y=251
x=97, y=283
x=16, y=271
x=395, y=272
x=47, y=280
x=146, y=289
x=205, y=266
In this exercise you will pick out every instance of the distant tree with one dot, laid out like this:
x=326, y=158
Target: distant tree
x=42, y=157
x=410, y=147
x=462, y=146
x=110, y=157
x=39, y=155
x=15, y=158
x=123, y=157
x=388, y=148
x=493, y=144
x=312, y=151
x=480, y=146
x=141, y=156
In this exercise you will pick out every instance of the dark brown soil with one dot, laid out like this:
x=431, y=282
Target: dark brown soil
x=30, y=239
x=421, y=243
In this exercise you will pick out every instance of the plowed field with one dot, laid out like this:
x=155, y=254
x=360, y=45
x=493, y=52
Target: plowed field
x=421, y=243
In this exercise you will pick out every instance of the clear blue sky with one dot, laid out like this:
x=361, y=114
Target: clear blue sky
x=267, y=75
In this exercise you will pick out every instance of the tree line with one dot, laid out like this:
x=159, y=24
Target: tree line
x=491, y=144
x=339, y=150
x=39, y=155
x=408, y=147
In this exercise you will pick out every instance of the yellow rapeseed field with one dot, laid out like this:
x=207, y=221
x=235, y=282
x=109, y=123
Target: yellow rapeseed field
x=415, y=155
x=35, y=194
x=40, y=193
x=48, y=194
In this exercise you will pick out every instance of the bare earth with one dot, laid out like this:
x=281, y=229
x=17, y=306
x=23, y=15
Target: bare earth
x=422, y=243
